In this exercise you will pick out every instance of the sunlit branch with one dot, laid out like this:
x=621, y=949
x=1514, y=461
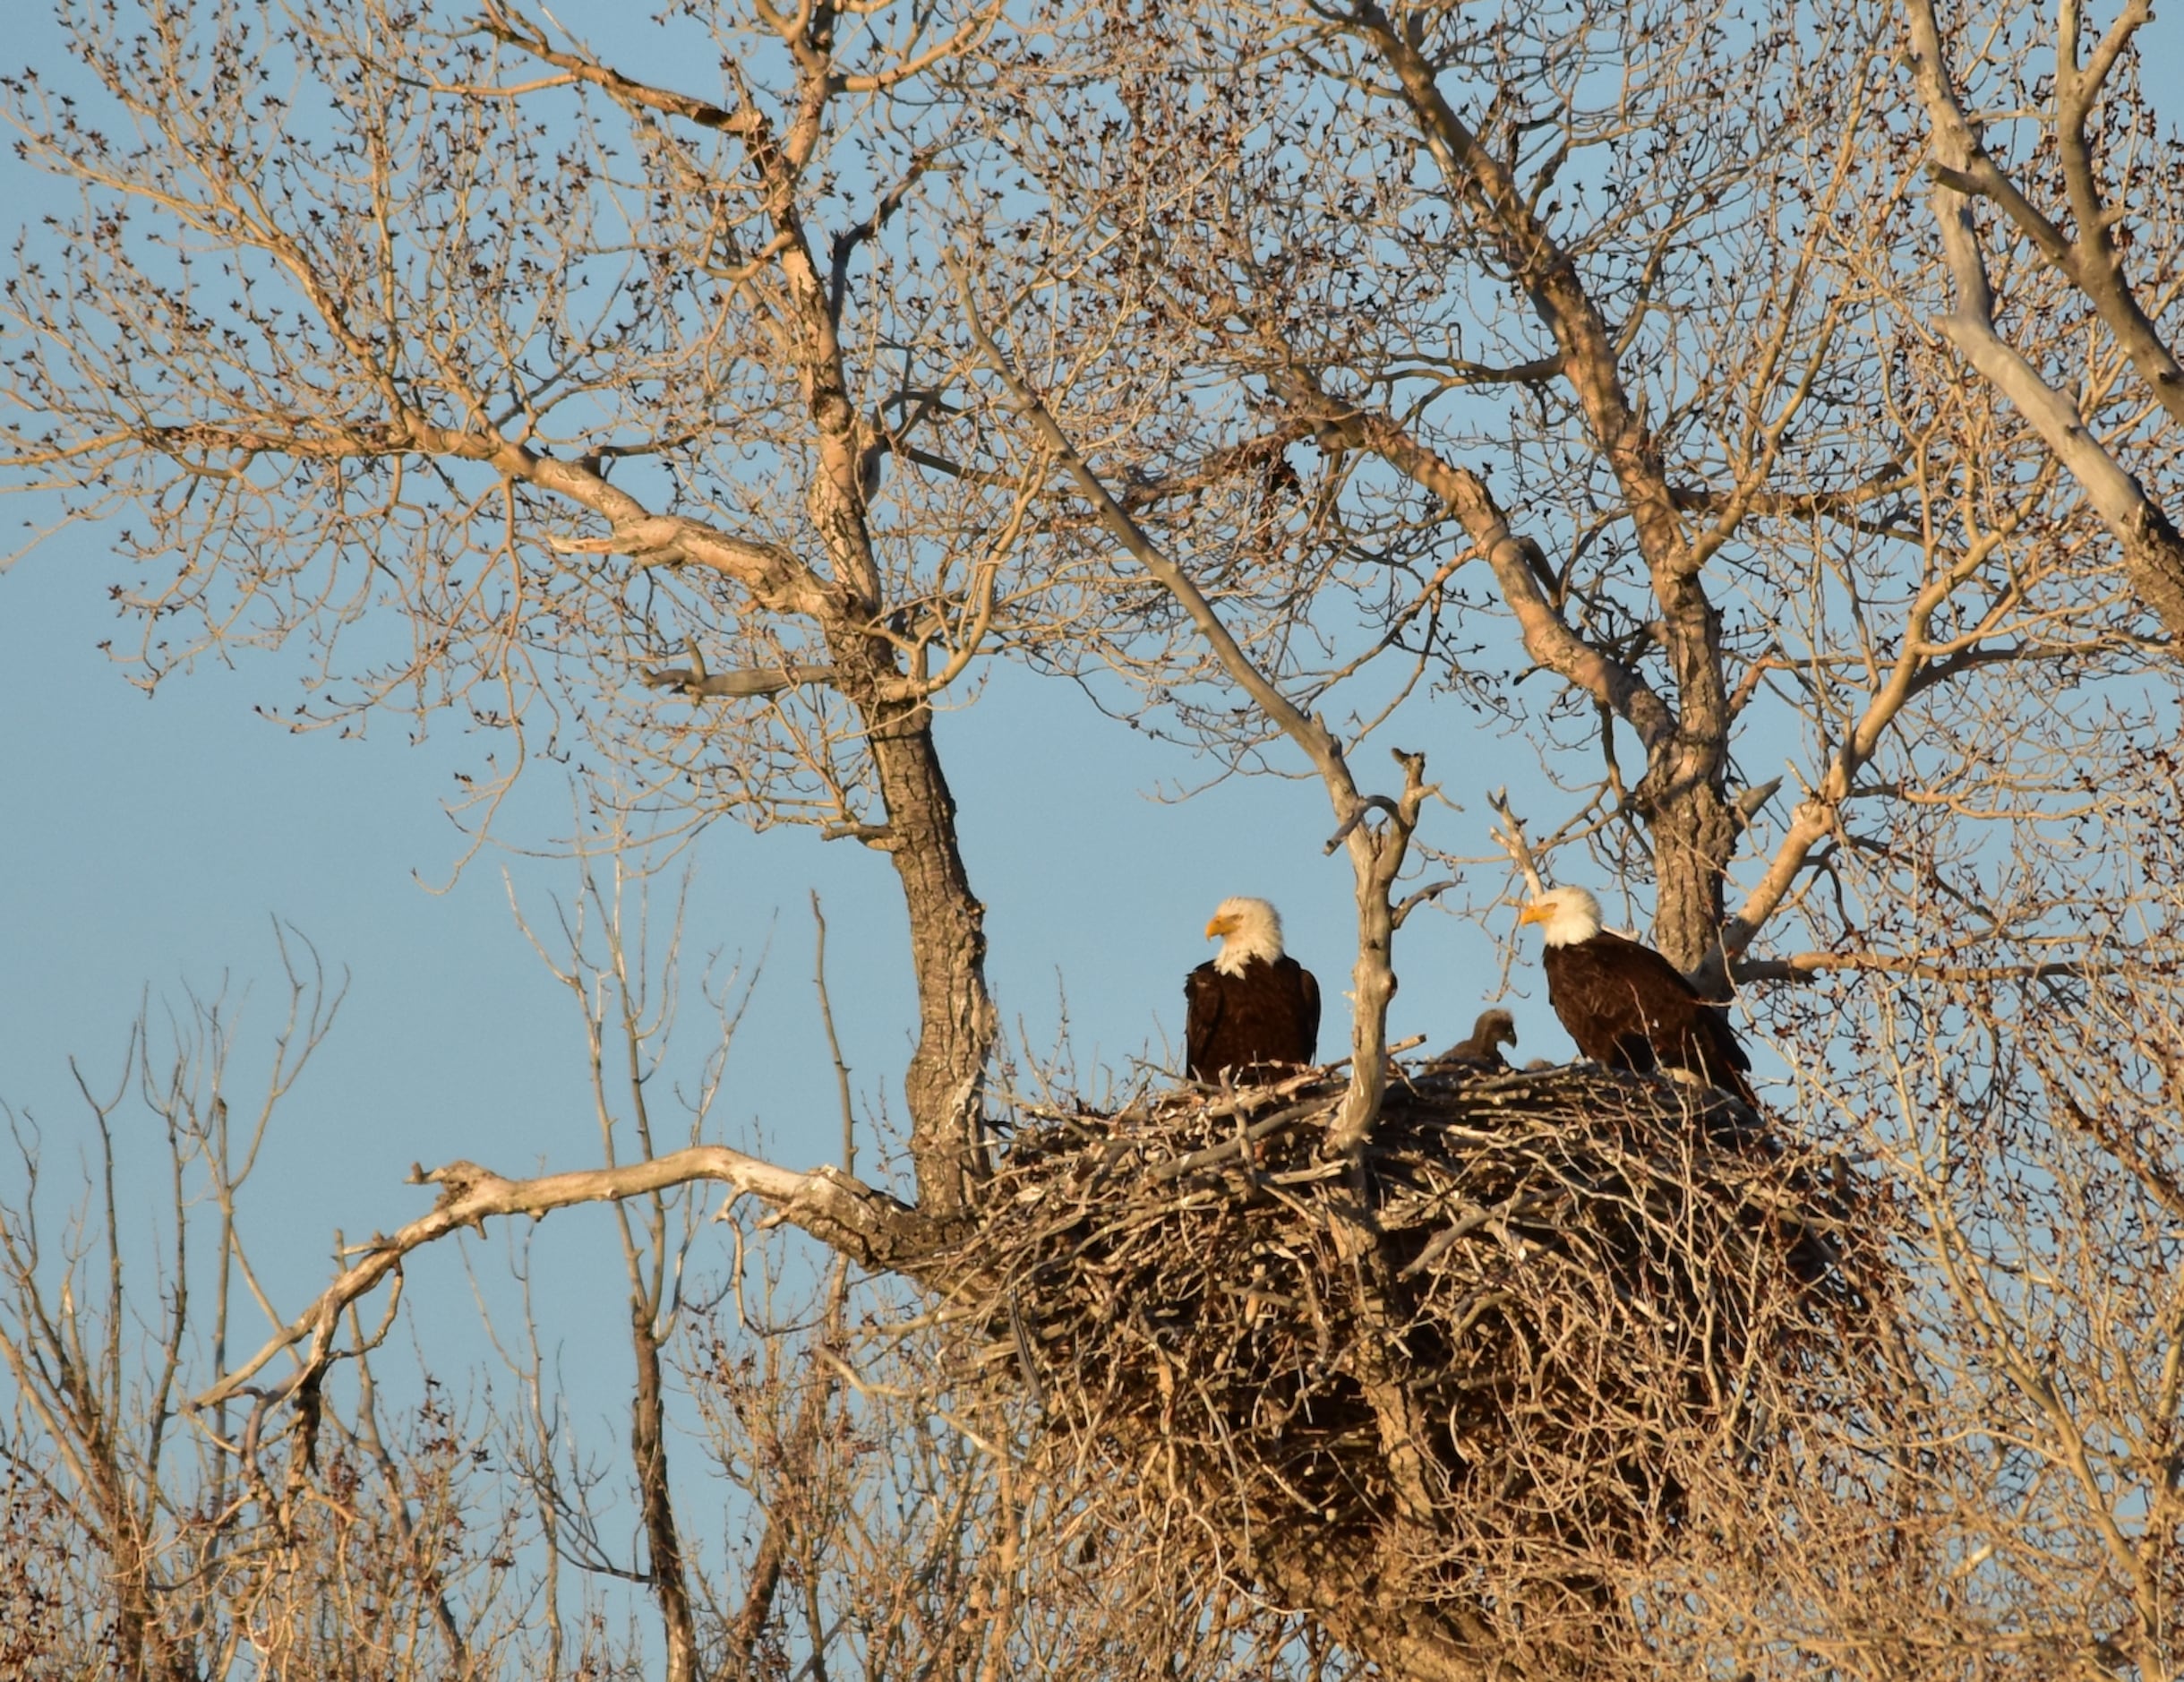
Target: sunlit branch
x=1806, y=965
x=2152, y=549
x=825, y=1202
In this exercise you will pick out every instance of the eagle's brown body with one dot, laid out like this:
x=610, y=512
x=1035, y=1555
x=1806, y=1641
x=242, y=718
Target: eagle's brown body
x=1627, y=1007
x=1268, y=1016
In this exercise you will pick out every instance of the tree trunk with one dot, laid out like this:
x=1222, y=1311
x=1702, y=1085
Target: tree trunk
x=1693, y=832
x=663, y=1548
x=956, y=1021
x=1680, y=796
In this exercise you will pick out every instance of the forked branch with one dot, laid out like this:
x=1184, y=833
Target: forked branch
x=2153, y=550
x=868, y=1226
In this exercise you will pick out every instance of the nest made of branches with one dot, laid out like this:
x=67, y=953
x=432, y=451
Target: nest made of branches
x=1540, y=1324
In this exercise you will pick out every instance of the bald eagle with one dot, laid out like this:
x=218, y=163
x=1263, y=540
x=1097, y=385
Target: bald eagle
x=1625, y=1005
x=1492, y=1031
x=1249, y=1005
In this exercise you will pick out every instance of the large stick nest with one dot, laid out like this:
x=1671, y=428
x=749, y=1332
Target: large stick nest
x=1543, y=1327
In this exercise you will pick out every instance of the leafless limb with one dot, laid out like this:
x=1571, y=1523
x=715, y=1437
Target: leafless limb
x=868, y=1225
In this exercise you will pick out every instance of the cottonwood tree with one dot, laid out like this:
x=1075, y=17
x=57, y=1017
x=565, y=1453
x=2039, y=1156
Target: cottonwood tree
x=1288, y=377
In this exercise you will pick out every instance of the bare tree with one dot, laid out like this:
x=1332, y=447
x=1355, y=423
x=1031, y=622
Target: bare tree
x=601, y=377
x=2097, y=154
x=1761, y=509
x=1288, y=376
x=304, y=1540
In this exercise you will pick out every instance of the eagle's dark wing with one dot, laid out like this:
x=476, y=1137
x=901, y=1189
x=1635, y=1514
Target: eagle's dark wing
x=1204, y=1002
x=1685, y=1031
x=1710, y=1050
x=1308, y=1012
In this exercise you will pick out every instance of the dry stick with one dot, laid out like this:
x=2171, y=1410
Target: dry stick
x=834, y=1042
x=665, y=1573
x=1376, y=853
x=1516, y=1204
x=1510, y=834
x=1229, y=1148
x=770, y=1563
x=1803, y=966
x=366, y=1433
x=868, y=1225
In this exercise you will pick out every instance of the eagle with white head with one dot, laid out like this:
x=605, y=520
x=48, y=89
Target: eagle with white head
x=1625, y=1005
x=1251, y=1007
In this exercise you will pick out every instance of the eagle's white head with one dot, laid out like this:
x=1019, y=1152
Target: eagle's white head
x=1248, y=929
x=1565, y=915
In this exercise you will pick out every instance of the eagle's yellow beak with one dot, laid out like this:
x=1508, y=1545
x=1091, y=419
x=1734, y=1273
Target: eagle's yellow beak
x=1537, y=912
x=1222, y=926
